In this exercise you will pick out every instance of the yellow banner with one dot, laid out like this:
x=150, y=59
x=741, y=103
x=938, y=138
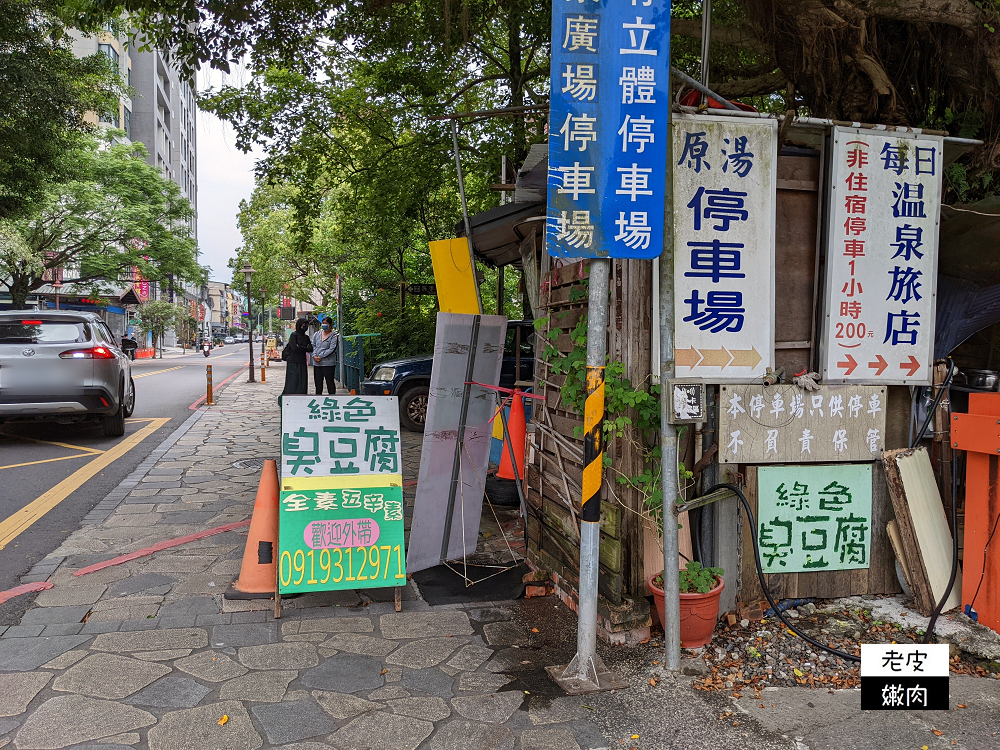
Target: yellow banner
x=455, y=276
x=340, y=481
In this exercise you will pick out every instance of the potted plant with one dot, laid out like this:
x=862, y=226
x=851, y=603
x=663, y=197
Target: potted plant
x=700, y=589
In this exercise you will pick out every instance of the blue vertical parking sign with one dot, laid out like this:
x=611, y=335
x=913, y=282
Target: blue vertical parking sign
x=608, y=128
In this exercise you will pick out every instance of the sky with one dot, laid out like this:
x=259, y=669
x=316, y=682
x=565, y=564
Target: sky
x=225, y=177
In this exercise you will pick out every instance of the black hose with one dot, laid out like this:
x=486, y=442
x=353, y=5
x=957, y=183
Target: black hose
x=695, y=528
x=945, y=386
x=763, y=583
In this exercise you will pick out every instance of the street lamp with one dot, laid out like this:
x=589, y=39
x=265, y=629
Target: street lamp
x=57, y=285
x=248, y=272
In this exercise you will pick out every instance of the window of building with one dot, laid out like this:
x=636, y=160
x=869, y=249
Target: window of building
x=111, y=118
x=110, y=51
x=128, y=123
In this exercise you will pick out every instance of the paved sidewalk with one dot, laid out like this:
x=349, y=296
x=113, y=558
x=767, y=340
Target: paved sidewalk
x=148, y=654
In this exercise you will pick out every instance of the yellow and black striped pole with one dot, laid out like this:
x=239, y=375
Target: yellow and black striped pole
x=593, y=444
x=586, y=672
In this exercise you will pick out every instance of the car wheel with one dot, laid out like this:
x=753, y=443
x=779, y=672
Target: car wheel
x=114, y=425
x=502, y=491
x=130, y=400
x=413, y=408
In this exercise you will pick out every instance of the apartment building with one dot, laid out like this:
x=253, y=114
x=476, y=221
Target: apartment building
x=160, y=114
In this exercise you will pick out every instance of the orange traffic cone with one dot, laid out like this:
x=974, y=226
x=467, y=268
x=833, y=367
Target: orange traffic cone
x=515, y=429
x=257, y=574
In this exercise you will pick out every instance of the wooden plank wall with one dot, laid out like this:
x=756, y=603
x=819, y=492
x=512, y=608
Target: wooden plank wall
x=631, y=324
x=555, y=464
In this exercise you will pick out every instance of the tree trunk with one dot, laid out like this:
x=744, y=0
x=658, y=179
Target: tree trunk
x=19, y=287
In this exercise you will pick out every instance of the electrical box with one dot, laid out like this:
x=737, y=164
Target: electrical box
x=687, y=401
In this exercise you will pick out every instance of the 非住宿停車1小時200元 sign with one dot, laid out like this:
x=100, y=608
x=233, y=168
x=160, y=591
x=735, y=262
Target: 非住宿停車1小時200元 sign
x=340, y=520
x=341, y=537
x=881, y=277
x=608, y=124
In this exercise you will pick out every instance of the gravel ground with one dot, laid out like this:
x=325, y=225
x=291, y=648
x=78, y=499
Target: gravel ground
x=749, y=656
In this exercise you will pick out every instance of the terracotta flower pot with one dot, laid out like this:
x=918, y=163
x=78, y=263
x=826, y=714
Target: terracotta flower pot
x=699, y=613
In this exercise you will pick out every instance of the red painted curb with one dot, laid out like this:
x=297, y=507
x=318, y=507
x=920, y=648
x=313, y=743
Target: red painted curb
x=167, y=544
x=26, y=588
x=215, y=390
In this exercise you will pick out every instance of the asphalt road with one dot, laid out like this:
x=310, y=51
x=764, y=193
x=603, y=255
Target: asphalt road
x=34, y=459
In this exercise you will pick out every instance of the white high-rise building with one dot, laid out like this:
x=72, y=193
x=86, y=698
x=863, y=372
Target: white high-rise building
x=160, y=114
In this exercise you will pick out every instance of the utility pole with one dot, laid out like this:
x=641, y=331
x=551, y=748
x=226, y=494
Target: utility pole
x=668, y=433
x=587, y=666
x=340, y=334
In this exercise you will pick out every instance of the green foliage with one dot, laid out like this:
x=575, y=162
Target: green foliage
x=112, y=213
x=397, y=337
x=625, y=406
x=966, y=187
x=157, y=317
x=698, y=579
x=45, y=92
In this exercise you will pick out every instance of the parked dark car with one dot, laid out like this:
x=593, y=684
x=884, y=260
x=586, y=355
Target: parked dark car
x=409, y=378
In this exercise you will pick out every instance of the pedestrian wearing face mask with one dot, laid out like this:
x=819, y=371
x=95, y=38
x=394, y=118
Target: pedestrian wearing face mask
x=324, y=358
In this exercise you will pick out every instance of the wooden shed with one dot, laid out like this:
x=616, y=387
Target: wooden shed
x=630, y=550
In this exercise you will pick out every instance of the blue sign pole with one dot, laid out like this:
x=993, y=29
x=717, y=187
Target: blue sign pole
x=608, y=171
x=608, y=133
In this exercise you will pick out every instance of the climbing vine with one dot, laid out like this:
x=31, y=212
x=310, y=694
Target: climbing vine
x=625, y=405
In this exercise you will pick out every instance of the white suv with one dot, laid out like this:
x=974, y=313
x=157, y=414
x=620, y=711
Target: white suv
x=65, y=367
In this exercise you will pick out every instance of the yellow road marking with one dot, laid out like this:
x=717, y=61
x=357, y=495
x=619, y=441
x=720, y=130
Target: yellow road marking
x=53, y=442
x=156, y=372
x=45, y=461
x=17, y=522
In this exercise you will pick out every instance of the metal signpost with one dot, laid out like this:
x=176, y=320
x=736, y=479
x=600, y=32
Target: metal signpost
x=607, y=198
x=341, y=507
x=881, y=277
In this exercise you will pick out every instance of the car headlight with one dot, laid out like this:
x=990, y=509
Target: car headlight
x=385, y=374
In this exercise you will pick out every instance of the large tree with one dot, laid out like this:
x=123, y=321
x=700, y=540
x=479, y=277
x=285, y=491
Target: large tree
x=45, y=94
x=115, y=214
x=929, y=63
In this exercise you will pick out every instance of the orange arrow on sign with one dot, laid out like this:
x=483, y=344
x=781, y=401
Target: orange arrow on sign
x=687, y=357
x=912, y=365
x=878, y=365
x=745, y=357
x=848, y=364
x=716, y=357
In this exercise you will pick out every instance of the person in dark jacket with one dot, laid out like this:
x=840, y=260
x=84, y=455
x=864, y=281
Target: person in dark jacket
x=296, y=369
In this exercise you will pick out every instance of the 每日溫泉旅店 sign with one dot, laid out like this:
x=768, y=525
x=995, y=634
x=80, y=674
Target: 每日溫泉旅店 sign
x=814, y=518
x=787, y=424
x=881, y=276
x=607, y=134
x=340, y=521
x=724, y=203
